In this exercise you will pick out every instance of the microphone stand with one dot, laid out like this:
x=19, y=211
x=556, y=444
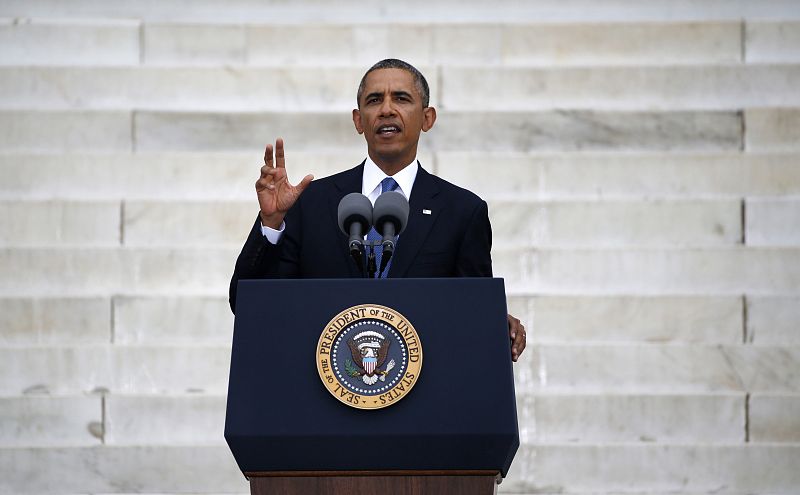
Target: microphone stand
x=371, y=265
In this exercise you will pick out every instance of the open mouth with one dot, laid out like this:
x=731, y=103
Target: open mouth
x=388, y=130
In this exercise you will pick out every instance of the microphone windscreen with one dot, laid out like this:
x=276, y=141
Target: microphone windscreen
x=355, y=207
x=391, y=206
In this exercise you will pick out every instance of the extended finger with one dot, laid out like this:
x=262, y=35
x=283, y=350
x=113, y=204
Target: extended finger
x=280, y=162
x=268, y=156
x=513, y=324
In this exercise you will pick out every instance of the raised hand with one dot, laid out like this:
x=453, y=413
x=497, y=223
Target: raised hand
x=275, y=194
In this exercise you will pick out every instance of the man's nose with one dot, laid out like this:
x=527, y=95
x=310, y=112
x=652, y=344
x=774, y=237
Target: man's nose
x=387, y=109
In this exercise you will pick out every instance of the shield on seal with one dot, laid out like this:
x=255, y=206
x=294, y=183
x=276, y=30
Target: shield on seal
x=369, y=364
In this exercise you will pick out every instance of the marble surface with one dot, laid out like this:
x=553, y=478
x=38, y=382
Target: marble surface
x=633, y=319
x=59, y=320
x=172, y=320
x=606, y=223
x=773, y=320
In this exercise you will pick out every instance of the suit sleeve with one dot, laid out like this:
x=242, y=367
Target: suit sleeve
x=474, y=255
x=260, y=258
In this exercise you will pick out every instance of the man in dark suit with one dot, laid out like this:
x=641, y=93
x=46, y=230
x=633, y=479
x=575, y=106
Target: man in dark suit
x=296, y=234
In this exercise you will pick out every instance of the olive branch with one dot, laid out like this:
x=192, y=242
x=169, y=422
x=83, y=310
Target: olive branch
x=350, y=368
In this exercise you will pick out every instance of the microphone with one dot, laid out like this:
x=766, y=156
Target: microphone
x=390, y=218
x=355, y=219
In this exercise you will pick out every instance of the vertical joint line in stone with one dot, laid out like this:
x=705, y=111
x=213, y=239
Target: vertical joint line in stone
x=742, y=130
x=747, y=417
x=743, y=220
x=103, y=419
x=113, y=335
x=133, y=131
x=744, y=319
x=122, y=223
x=743, y=41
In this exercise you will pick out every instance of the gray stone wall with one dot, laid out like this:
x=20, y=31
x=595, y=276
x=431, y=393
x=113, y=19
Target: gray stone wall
x=642, y=165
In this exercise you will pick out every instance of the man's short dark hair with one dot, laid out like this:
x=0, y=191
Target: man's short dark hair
x=393, y=63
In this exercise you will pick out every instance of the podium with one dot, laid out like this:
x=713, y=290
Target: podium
x=454, y=431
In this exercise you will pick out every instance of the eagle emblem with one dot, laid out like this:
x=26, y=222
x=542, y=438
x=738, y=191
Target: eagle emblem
x=369, y=350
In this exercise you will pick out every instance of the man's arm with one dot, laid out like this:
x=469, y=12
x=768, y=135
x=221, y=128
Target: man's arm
x=260, y=258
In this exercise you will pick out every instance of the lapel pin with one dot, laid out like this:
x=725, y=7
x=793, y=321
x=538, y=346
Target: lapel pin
x=426, y=211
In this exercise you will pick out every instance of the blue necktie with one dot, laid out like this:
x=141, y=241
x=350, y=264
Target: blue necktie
x=387, y=184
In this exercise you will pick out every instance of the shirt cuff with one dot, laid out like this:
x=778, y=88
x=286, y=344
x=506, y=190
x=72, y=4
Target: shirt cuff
x=272, y=235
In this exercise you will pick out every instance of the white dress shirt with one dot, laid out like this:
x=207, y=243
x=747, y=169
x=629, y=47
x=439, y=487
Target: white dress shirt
x=370, y=187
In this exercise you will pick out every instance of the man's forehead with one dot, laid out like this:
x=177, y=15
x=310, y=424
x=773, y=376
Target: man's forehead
x=390, y=79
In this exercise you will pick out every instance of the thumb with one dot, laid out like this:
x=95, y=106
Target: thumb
x=304, y=183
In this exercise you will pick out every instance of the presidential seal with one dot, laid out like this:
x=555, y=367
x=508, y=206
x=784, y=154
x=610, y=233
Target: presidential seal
x=369, y=356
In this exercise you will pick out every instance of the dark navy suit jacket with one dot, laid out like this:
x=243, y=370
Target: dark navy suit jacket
x=451, y=238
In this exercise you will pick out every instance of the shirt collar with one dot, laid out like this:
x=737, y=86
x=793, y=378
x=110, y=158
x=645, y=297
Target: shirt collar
x=373, y=176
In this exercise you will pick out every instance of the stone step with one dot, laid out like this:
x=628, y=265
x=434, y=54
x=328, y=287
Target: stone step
x=619, y=88
x=108, y=469
x=650, y=271
x=772, y=129
x=118, y=369
x=620, y=174
x=770, y=320
x=198, y=419
x=102, y=272
x=774, y=418
x=598, y=224
x=226, y=89
x=56, y=320
x=206, y=271
x=554, y=368
x=115, y=42
x=223, y=89
x=171, y=319
x=772, y=221
x=62, y=131
x=514, y=223
x=561, y=468
x=569, y=130
x=141, y=176
x=657, y=319
x=599, y=419
x=662, y=369
x=523, y=176
x=772, y=41
x=244, y=11
x=60, y=223
x=72, y=421
x=463, y=89
x=165, y=420
x=548, y=468
x=523, y=42
x=62, y=42
x=773, y=320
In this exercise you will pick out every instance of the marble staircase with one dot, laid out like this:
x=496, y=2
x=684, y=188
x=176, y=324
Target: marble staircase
x=641, y=161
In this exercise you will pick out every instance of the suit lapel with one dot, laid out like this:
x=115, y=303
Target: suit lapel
x=424, y=208
x=346, y=183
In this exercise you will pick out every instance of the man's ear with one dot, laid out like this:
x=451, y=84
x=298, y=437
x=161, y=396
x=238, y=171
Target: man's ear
x=357, y=121
x=428, y=118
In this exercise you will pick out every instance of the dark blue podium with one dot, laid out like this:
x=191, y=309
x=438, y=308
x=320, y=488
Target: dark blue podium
x=455, y=431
